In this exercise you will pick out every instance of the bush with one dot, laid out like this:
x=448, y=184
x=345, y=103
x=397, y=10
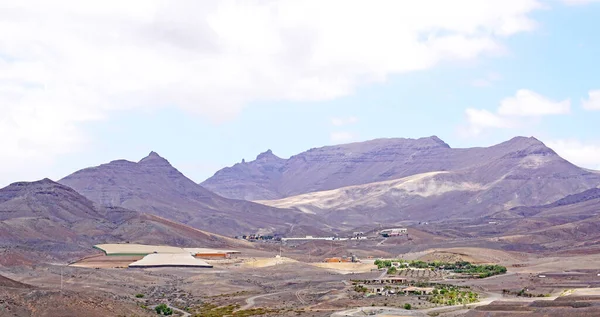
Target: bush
x=360, y=289
x=139, y=295
x=163, y=309
x=407, y=306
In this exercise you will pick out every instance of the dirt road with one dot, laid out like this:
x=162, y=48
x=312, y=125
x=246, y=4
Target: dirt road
x=251, y=301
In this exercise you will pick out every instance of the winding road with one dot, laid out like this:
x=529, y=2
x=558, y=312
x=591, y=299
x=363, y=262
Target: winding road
x=299, y=296
x=251, y=301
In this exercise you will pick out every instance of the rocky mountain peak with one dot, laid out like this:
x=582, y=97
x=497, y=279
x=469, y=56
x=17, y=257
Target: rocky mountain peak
x=523, y=146
x=522, y=140
x=154, y=159
x=267, y=155
x=434, y=140
x=45, y=183
x=44, y=187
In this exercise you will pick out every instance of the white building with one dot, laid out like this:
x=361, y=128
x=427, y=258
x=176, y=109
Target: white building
x=393, y=232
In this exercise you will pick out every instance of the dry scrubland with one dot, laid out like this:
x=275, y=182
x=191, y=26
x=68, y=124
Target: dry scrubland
x=258, y=282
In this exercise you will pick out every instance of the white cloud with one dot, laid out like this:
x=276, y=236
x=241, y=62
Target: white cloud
x=579, y=2
x=65, y=63
x=480, y=119
x=577, y=152
x=343, y=136
x=527, y=103
x=593, y=101
x=341, y=121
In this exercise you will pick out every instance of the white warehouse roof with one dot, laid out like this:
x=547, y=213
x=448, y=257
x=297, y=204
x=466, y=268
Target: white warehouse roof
x=169, y=260
x=142, y=249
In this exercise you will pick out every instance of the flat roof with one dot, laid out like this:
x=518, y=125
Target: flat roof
x=169, y=260
x=414, y=288
x=143, y=249
x=209, y=250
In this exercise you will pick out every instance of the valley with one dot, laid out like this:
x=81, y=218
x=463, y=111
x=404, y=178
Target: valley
x=508, y=230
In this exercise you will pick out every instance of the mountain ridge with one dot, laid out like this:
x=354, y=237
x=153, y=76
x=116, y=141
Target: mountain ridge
x=358, y=163
x=154, y=186
x=48, y=220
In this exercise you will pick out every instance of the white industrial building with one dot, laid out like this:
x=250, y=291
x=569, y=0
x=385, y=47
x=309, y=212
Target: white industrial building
x=169, y=260
x=393, y=232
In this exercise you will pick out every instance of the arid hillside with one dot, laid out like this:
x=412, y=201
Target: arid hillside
x=22, y=300
x=525, y=163
x=48, y=221
x=155, y=187
x=520, y=172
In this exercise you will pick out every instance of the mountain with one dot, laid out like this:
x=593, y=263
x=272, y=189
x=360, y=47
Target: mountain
x=330, y=167
x=448, y=183
x=155, y=187
x=48, y=221
x=270, y=177
x=570, y=223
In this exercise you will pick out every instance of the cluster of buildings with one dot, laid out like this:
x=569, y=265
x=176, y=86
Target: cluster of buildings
x=393, y=232
x=258, y=237
x=344, y=259
x=325, y=238
x=357, y=235
x=388, y=286
x=406, y=290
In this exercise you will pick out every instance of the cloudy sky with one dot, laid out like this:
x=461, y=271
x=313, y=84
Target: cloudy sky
x=207, y=83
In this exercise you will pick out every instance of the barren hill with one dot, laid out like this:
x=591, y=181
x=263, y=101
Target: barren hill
x=153, y=186
x=570, y=223
x=330, y=167
x=52, y=221
x=34, y=301
x=6, y=282
x=270, y=177
x=474, y=183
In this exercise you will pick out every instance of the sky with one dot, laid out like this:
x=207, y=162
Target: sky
x=209, y=83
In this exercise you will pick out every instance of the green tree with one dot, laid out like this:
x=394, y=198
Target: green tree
x=407, y=306
x=163, y=309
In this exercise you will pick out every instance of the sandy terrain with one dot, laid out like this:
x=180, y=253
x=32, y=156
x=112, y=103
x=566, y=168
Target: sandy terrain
x=268, y=262
x=346, y=268
x=371, y=194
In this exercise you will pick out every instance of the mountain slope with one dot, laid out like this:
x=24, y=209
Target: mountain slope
x=154, y=186
x=47, y=221
x=20, y=300
x=331, y=167
x=518, y=172
x=572, y=222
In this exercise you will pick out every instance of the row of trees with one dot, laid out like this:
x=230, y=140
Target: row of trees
x=451, y=295
x=481, y=271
